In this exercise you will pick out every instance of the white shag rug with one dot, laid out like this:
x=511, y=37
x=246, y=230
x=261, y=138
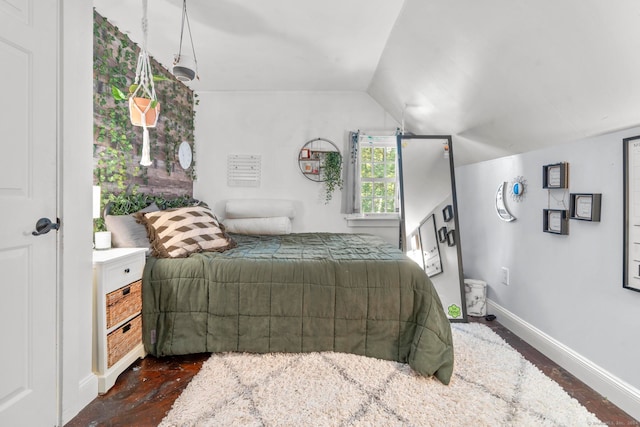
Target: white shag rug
x=492, y=385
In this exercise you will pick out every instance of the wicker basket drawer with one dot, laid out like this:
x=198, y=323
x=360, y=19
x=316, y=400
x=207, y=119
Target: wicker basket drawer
x=124, y=339
x=123, y=303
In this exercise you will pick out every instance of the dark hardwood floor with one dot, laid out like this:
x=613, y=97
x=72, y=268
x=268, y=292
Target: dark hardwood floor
x=144, y=393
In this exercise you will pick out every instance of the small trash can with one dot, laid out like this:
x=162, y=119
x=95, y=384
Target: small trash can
x=475, y=292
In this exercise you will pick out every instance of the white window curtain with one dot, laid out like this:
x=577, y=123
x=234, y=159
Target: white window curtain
x=350, y=194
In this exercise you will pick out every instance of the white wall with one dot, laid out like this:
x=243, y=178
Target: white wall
x=79, y=384
x=568, y=287
x=276, y=125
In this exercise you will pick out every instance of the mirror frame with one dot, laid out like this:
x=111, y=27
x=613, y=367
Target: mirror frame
x=454, y=201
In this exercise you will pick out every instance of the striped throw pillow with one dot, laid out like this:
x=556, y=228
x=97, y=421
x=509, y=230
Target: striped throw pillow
x=177, y=233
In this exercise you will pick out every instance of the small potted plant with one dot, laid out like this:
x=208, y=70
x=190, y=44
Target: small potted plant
x=332, y=174
x=139, y=106
x=101, y=237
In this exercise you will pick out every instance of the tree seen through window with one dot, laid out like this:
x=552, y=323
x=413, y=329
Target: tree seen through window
x=378, y=183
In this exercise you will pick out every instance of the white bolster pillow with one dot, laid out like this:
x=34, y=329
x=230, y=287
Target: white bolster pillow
x=259, y=208
x=274, y=225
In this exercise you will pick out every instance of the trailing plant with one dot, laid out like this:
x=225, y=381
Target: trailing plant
x=332, y=174
x=118, y=94
x=125, y=204
x=116, y=142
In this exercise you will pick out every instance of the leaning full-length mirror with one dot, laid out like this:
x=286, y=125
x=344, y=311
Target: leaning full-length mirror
x=429, y=217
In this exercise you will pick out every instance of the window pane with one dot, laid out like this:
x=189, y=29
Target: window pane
x=391, y=189
x=378, y=205
x=391, y=170
x=365, y=154
x=378, y=170
x=391, y=154
x=378, y=154
x=378, y=189
x=366, y=189
x=366, y=170
x=367, y=206
x=391, y=204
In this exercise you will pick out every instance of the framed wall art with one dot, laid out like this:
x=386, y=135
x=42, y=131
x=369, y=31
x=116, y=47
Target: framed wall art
x=555, y=175
x=447, y=213
x=442, y=234
x=430, y=247
x=451, y=238
x=631, y=192
x=555, y=221
x=585, y=206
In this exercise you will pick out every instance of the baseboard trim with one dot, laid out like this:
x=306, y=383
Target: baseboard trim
x=87, y=391
x=619, y=392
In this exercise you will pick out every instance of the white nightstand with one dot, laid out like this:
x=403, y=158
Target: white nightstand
x=117, y=308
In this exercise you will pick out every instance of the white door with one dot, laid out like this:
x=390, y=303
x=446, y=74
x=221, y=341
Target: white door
x=28, y=265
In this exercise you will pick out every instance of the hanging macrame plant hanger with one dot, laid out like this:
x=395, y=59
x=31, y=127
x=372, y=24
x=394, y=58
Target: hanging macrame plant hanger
x=144, y=107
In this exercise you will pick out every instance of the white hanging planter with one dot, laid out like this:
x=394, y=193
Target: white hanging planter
x=144, y=108
x=185, y=67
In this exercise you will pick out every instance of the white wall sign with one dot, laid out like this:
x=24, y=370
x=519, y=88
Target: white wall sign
x=243, y=170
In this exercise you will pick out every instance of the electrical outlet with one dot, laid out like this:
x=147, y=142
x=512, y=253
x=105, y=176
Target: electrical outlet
x=505, y=276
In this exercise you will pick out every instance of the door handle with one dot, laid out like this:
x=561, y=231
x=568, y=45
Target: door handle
x=44, y=225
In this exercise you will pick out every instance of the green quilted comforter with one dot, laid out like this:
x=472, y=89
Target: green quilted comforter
x=350, y=293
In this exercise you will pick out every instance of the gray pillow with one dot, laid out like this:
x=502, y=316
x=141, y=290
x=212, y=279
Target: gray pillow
x=126, y=232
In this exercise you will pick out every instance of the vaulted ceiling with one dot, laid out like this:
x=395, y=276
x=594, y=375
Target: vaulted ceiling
x=501, y=76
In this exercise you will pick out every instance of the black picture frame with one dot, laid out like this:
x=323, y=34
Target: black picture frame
x=447, y=213
x=430, y=248
x=451, y=238
x=585, y=206
x=631, y=272
x=442, y=234
x=555, y=221
x=555, y=175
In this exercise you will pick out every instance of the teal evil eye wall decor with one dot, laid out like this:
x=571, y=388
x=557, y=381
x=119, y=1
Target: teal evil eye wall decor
x=518, y=188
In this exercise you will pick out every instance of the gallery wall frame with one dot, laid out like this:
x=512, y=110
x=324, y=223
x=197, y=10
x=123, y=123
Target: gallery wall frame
x=451, y=238
x=585, y=206
x=447, y=213
x=442, y=234
x=555, y=175
x=430, y=246
x=555, y=221
x=631, y=196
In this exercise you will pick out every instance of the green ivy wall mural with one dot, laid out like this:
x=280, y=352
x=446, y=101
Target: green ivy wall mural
x=117, y=144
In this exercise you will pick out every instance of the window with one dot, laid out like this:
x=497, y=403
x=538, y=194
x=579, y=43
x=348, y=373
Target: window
x=377, y=179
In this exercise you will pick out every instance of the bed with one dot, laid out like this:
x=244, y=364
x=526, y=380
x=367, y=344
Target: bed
x=301, y=292
x=262, y=289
